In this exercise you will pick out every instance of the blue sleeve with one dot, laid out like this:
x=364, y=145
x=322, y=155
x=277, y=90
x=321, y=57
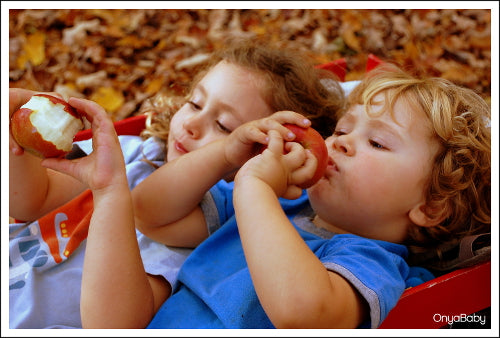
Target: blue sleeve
x=417, y=276
x=376, y=269
x=217, y=205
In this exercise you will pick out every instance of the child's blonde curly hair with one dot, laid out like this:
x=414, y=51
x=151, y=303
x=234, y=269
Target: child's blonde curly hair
x=291, y=83
x=459, y=187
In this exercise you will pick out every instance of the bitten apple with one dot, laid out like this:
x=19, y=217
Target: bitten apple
x=45, y=126
x=310, y=139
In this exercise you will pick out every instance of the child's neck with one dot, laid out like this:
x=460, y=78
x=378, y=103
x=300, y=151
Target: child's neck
x=320, y=223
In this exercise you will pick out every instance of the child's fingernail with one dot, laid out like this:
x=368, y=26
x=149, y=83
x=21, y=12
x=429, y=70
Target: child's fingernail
x=290, y=136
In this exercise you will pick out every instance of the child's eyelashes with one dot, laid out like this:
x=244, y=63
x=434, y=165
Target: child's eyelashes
x=377, y=145
x=223, y=128
x=194, y=105
x=198, y=107
x=373, y=143
x=219, y=125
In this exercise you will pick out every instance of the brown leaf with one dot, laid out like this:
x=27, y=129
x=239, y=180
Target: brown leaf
x=133, y=41
x=136, y=53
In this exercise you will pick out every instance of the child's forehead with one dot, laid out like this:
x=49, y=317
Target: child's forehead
x=398, y=109
x=237, y=72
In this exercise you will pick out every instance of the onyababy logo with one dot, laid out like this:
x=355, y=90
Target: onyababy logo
x=462, y=318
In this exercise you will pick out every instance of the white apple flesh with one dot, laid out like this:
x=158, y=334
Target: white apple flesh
x=46, y=126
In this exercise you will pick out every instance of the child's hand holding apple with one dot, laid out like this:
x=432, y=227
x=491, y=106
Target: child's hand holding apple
x=45, y=126
x=310, y=139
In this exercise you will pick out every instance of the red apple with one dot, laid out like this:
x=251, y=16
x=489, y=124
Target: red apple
x=310, y=139
x=46, y=125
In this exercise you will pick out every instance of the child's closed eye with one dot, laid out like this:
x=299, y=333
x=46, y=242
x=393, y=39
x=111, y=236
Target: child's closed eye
x=194, y=105
x=223, y=128
x=377, y=145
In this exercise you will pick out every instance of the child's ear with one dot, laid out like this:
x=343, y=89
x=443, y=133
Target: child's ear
x=420, y=217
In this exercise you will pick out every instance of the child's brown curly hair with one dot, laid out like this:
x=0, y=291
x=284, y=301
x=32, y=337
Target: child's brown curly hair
x=291, y=83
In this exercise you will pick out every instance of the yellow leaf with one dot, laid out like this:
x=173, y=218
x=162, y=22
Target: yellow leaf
x=21, y=61
x=35, y=48
x=154, y=86
x=134, y=42
x=108, y=98
x=259, y=30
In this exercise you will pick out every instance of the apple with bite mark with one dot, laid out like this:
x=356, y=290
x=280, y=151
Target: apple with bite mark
x=45, y=126
x=310, y=139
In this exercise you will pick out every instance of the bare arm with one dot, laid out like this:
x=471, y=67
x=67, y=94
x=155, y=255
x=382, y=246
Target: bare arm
x=166, y=203
x=33, y=189
x=116, y=291
x=292, y=284
x=171, y=196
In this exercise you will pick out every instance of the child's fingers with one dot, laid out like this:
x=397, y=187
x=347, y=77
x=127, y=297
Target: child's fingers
x=275, y=142
x=94, y=114
x=308, y=166
x=267, y=124
x=301, y=162
x=287, y=116
x=18, y=97
x=91, y=110
x=254, y=134
x=14, y=147
x=292, y=192
x=257, y=131
x=305, y=172
x=296, y=155
x=68, y=167
x=278, y=119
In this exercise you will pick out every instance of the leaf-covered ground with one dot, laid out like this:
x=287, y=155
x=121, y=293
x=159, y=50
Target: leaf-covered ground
x=120, y=57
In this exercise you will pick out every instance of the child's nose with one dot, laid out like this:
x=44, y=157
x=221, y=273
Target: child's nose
x=342, y=144
x=193, y=126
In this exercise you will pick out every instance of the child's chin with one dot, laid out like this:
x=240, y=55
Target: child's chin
x=172, y=154
x=318, y=187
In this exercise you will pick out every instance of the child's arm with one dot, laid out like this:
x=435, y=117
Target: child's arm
x=293, y=286
x=166, y=203
x=116, y=291
x=34, y=190
x=173, y=192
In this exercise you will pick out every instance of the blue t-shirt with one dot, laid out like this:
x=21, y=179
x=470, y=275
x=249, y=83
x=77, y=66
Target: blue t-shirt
x=215, y=289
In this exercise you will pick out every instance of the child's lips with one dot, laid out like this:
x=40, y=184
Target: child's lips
x=180, y=148
x=331, y=165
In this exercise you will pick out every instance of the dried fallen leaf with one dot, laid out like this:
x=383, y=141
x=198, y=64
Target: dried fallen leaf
x=136, y=53
x=154, y=86
x=109, y=98
x=35, y=48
